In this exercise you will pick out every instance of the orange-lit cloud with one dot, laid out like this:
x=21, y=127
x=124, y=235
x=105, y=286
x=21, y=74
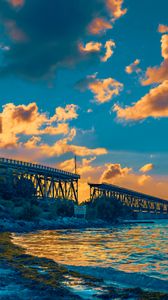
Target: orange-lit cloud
x=115, y=7
x=98, y=26
x=133, y=67
x=65, y=114
x=156, y=74
x=162, y=28
x=112, y=171
x=143, y=179
x=164, y=46
x=27, y=120
x=90, y=47
x=84, y=167
x=159, y=73
x=146, y=168
x=61, y=147
x=109, y=45
x=105, y=89
x=154, y=104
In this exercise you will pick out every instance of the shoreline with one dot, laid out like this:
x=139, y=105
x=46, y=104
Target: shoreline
x=22, y=226
x=31, y=277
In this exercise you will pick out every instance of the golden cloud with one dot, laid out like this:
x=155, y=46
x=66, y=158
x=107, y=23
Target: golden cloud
x=61, y=147
x=112, y=171
x=146, y=168
x=98, y=26
x=115, y=7
x=160, y=73
x=162, y=28
x=154, y=104
x=109, y=45
x=105, y=89
x=143, y=179
x=133, y=67
x=164, y=46
x=90, y=47
x=27, y=120
x=65, y=114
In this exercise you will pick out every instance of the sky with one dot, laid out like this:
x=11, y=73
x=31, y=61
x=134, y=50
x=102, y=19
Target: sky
x=91, y=81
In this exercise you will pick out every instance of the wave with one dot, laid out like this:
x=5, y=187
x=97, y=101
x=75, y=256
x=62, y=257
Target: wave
x=123, y=279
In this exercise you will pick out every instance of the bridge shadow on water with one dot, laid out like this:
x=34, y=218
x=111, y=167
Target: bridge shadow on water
x=30, y=277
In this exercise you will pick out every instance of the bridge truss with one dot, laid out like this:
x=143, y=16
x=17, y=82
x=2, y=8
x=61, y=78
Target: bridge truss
x=48, y=182
x=139, y=202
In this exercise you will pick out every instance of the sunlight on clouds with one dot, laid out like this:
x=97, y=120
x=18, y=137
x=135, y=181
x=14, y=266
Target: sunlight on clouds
x=154, y=104
x=146, y=168
x=109, y=45
x=99, y=25
x=27, y=120
x=65, y=114
x=115, y=7
x=159, y=73
x=133, y=67
x=112, y=171
x=164, y=46
x=90, y=47
x=162, y=28
x=143, y=179
x=105, y=89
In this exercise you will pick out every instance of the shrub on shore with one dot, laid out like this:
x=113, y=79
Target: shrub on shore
x=108, y=209
x=18, y=201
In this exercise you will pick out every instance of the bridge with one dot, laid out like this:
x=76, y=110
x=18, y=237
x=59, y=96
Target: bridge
x=139, y=202
x=48, y=182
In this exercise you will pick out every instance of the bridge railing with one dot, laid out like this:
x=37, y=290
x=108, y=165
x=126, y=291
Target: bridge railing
x=18, y=163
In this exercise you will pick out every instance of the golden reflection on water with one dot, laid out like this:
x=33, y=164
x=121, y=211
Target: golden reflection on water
x=141, y=248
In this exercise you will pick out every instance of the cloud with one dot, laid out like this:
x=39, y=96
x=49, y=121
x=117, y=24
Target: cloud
x=143, y=179
x=146, y=168
x=60, y=147
x=133, y=67
x=90, y=47
x=23, y=119
x=96, y=47
x=105, y=89
x=164, y=46
x=159, y=73
x=115, y=7
x=154, y=104
x=65, y=114
x=162, y=28
x=41, y=31
x=22, y=130
x=112, y=171
x=99, y=25
x=84, y=167
x=109, y=45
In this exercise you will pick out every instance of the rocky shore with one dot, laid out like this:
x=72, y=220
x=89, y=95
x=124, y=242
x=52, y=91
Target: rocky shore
x=11, y=225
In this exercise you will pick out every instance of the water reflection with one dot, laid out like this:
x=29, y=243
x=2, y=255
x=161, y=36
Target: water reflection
x=141, y=248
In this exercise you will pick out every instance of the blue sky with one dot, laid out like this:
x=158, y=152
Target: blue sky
x=41, y=63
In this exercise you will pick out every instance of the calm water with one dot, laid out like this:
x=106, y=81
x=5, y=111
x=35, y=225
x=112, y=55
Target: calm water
x=139, y=248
